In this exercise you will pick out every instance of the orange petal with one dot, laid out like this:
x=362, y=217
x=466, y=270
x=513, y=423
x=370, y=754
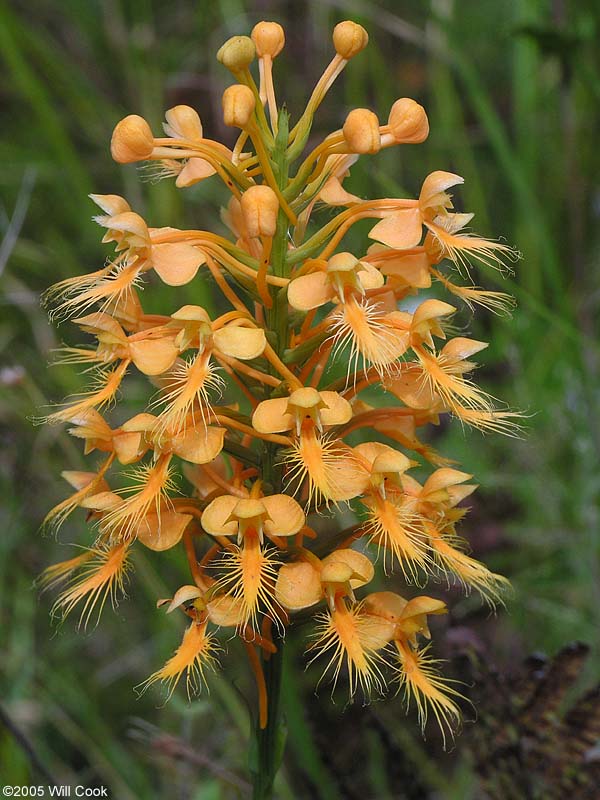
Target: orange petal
x=370, y=277
x=249, y=508
x=400, y=230
x=112, y=204
x=385, y=604
x=216, y=514
x=176, y=264
x=338, y=410
x=310, y=291
x=443, y=478
x=392, y=461
x=199, y=446
x=101, y=324
x=102, y=501
x=153, y=356
x=226, y=611
x=436, y=184
x=183, y=595
x=336, y=572
x=334, y=194
x=196, y=170
x=161, y=532
x=271, y=416
x=298, y=586
x=458, y=493
x=140, y=422
x=452, y=223
x=286, y=517
x=239, y=342
x=129, y=447
x=361, y=569
x=431, y=309
x=411, y=388
x=130, y=222
x=424, y=605
x=79, y=480
x=411, y=269
x=370, y=450
x=382, y=457
x=461, y=348
x=183, y=122
x=202, y=483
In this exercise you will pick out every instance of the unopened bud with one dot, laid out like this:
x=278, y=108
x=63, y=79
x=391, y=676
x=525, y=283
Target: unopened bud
x=132, y=140
x=183, y=122
x=238, y=105
x=237, y=53
x=260, y=207
x=349, y=38
x=361, y=131
x=408, y=121
x=269, y=38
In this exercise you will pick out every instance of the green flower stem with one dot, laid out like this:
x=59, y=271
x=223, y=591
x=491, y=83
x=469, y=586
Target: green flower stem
x=270, y=741
x=278, y=315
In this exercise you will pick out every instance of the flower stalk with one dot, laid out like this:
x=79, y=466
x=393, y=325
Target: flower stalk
x=270, y=739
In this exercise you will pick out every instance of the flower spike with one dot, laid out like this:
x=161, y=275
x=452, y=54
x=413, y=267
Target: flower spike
x=272, y=442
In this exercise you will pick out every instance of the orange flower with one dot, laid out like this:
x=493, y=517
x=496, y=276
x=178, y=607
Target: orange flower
x=415, y=670
x=190, y=381
x=304, y=583
x=352, y=639
x=249, y=569
x=176, y=263
x=391, y=523
x=103, y=573
x=194, y=656
x=403, y=228
x=332, y=471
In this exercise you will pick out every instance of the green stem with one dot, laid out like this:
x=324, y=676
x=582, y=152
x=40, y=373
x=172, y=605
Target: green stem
x=270, y=741
x=278, y=314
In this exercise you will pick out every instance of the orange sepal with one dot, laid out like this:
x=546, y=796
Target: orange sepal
x=176, y=264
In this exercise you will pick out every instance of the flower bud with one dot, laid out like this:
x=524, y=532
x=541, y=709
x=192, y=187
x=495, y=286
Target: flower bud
x=349, y=39
x=268, y=38
x=237, y=53
x=183, y=122
x=361, y=131
x=408, y=121
x=132, y=140
x=238, y=105
x=260, y=207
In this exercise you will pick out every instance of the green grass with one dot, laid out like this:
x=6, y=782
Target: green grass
x=512, y=94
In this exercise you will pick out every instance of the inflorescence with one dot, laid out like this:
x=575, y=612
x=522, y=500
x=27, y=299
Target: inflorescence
x=309, y=327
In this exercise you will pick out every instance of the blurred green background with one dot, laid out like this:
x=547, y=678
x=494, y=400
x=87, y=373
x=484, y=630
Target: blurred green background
x=512, y=90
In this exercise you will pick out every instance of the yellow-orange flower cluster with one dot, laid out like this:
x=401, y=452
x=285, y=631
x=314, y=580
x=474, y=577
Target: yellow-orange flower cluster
x=238, y=484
